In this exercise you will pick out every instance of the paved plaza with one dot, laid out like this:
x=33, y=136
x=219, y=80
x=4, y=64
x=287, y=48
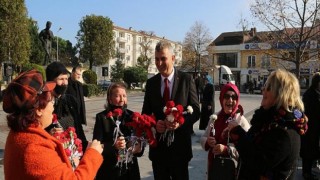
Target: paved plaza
x=197, y=166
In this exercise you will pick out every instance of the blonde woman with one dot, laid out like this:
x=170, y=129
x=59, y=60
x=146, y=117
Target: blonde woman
x=270, y=149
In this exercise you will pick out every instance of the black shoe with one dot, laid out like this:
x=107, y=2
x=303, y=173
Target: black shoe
x=309, y=176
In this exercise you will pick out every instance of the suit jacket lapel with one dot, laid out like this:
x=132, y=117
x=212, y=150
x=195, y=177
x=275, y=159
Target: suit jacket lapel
x=175, y=84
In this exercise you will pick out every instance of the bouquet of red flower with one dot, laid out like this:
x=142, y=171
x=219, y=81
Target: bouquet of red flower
x=71, y=144
x=110, y=115
x=143, y=125
x=174, y=113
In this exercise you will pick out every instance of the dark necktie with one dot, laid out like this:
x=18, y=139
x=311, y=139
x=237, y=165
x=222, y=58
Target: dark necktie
x=166, y=92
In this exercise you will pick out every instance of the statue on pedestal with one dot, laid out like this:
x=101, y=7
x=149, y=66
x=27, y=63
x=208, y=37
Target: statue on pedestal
x=46, y=37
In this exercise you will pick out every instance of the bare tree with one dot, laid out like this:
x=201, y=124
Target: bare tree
x=294, y=29
x=195, y=46
x=144, y=59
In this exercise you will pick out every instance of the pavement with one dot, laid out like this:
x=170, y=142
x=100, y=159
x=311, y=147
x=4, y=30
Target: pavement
x=197, y=166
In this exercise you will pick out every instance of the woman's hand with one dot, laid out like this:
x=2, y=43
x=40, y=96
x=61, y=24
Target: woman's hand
x=211, y=141
x=95, y=144
x=120, y=143
x=56, y=130
x=76, y=161
x=137, y=148
x=218, y=149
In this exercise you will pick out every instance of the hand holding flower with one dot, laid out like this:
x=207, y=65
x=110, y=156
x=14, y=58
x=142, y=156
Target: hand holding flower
x=161, y=126
x=137, y=148
x=211, y=141
x=219, y=149
x=120, y=143
x=172, y=125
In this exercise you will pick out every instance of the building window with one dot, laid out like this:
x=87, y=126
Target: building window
x=251, y=61
x=139, y=39
x=228, y=59
x=129, y=37
x=265, y=62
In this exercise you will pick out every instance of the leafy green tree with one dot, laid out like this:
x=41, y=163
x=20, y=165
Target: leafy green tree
x=66, y=51
x=37, y=53
x=95, y=39
x=14, y=32
x=117, y=70
x=135, y=75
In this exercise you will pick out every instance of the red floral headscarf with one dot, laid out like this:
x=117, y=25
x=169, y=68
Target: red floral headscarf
x=230, y=87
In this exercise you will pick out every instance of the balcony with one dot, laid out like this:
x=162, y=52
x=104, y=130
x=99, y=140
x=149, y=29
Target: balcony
x=122, y=50
x=122, y=40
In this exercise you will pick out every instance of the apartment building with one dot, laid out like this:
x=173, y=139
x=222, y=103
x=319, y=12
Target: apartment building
x=130, y=44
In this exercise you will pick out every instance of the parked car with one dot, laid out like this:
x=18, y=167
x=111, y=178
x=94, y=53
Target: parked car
x=104, y=84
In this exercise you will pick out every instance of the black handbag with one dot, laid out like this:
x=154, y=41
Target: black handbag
x=223, y=167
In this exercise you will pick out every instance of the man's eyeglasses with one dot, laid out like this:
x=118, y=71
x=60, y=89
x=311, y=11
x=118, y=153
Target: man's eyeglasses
x=228, y=96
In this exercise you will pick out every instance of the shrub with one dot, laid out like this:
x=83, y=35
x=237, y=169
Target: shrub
x=29, y=66
x=89, y=77
x=91, y=90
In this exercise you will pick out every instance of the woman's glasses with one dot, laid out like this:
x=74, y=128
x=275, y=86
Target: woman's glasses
x=228, y=96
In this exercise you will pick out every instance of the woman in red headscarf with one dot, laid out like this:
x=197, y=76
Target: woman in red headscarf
x=215, y=140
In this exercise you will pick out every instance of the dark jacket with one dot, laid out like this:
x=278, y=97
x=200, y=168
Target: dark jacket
x=184, y=93
x=75, y=88
x=269, y=149
x=67, y=109
x=310, y=141
x=103, y=131
x=207, y=100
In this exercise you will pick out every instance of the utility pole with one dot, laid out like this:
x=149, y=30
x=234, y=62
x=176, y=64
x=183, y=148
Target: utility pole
x=58, y=44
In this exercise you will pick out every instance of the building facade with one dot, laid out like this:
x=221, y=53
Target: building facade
x=130, y=44
x=251, y=60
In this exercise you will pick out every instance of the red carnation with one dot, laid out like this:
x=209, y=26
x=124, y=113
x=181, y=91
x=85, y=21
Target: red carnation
x=109, y=114
x=117, y=112
x=170, y=104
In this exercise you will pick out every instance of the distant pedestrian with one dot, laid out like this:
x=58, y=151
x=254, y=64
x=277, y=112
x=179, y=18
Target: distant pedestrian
x=207, y=104
x=75, y=88
x=310, y=141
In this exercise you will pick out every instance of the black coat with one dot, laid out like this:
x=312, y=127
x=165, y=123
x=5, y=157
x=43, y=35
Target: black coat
x=268, y=149
x=103, y=131
x=66, y=107
x=310, y=141
x=184, y=93
x=75, y=88
x=207, y=100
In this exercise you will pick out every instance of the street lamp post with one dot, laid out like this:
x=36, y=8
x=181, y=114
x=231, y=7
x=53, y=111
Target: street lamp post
x=199, y=57
x=58, y=44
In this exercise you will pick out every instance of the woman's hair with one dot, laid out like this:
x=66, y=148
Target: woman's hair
x=113, y=86
x=286, y=89
x=22, y=119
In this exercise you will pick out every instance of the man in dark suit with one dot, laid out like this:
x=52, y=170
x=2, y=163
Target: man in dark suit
x=75, y=88
x=170, y=161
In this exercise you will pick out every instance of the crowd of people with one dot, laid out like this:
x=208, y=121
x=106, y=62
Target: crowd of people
x=40, y=113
